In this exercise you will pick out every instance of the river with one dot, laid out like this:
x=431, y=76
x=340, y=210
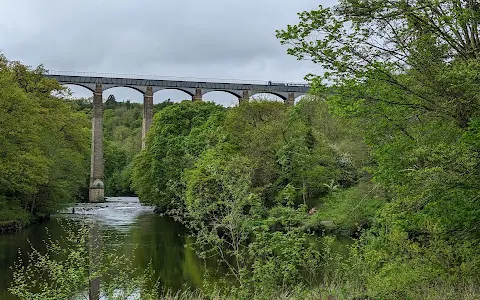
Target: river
x=154, y=238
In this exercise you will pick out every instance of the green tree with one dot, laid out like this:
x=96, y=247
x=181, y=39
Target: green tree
x=220, y=202
x=111, y=102
x=173, y=144
x=407, y=72
x=122, y=134
x=44, y=143
x=257, y=130
x=68, y=267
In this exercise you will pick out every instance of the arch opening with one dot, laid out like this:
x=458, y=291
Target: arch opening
x=78, y=91
x=123, y=86
x=267, y=97
x=171, y=95
x=222, y=97
x=122, y=94
x=299, y=98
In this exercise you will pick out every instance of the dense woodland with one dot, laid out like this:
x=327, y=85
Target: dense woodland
x=44, y=146
x=391, y=157
x=385, y=153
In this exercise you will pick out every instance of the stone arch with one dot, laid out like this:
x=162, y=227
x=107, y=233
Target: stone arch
x=123, y=93
x=282, y=97
x=86, y=86
x=299, y=97
x=238, y=95
x=108, y=87
x=225, y=98
x=175, y=88
x=172, y=94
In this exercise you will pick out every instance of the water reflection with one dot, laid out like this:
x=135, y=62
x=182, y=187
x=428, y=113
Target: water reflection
x=95, y=245
x=122, y=223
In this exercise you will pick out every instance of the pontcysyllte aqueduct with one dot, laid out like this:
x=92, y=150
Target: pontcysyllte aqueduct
x=148, y=85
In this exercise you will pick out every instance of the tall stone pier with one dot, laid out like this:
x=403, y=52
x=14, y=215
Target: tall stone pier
x=198, y=95
x=97, y=188
x=147, y=114
x=290, y=101
x=245, y=97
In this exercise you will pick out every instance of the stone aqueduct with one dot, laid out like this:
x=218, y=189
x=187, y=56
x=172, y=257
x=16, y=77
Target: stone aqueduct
x=196, y=88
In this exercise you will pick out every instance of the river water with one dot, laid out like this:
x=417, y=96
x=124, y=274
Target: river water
x=151, y=237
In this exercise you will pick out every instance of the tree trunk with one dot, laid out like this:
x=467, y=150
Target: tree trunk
x=32, y=208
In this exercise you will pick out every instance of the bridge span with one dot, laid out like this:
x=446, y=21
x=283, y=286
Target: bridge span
x=195, y=87
x=97, y=83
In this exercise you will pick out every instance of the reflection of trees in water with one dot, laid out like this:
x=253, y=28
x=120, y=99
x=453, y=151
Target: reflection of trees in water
x=95, y=245
x=161, y=240
x=159, y=243
x=151, y=238
x=11, y=243
x=71, y=263
x=192, y=269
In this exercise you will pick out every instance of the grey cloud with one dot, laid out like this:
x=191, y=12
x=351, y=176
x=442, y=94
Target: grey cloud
x=190, y=38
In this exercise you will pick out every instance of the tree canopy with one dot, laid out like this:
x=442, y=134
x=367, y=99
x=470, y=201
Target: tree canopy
x=407, y=71
x=44, y=144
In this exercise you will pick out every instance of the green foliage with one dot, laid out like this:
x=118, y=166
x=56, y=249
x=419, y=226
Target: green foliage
x=286, y=257
x=174, y=142
x=281, y=218
x=219, y=203
x=320, y=151
x=407, y=73
x=44, y=144
x=122, y=141
x=218, y=177
x=67, y=269
x=281, y=261
x=348, y=211
x=243, y=181
x=12, y=213
x=257, y=128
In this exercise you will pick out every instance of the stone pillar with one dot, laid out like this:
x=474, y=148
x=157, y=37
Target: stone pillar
x=147, y=114
x=245, y=97
x=290, y=101
x=96, y=190
x=198, y=95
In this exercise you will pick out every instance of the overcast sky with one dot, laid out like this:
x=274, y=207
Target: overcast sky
x=184, y=38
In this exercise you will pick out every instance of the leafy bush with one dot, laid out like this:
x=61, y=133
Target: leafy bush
x=44, y=143
x=77, y=264
x=173, y=144
x=349, y=210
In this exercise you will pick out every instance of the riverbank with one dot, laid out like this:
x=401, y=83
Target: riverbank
x=10, y=226
x=15, y=225
x=13, y=219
